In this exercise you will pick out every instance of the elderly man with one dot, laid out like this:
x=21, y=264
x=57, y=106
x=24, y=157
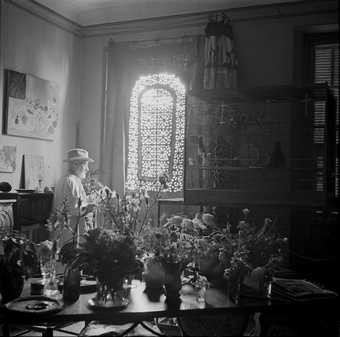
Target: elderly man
x=71, y=193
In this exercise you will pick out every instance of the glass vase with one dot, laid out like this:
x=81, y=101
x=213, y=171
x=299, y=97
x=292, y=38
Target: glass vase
x=111, y=295
x=48, y=273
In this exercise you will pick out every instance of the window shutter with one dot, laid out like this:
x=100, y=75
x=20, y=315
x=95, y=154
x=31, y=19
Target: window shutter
x=326, y=69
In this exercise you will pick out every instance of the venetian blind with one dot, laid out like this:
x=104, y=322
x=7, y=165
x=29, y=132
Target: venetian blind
x=326, y=69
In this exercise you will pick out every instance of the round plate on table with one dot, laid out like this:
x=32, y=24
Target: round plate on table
x=34, y=305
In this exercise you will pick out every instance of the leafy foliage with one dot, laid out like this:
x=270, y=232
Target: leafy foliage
x=174, y=242
x=108, y=255
x=19, y=255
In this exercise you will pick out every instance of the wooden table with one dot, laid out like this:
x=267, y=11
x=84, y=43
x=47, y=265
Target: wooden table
x=304, y=315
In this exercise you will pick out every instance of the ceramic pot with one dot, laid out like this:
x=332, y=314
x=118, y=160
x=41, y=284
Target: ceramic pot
x=210, y=267
x=172, y=283
x=71, y=287
x=153, y=275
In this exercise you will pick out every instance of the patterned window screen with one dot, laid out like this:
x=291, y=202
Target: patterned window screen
x=326, y=69
x=156, y=132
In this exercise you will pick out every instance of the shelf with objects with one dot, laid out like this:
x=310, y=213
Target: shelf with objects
x=261, y=146
x=30, y=212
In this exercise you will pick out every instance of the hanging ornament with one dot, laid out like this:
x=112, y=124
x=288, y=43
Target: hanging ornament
x=220, y=60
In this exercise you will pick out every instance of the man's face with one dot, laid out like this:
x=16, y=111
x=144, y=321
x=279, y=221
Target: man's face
x=82, y=169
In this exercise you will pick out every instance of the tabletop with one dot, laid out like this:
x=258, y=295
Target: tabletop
x=141, y=308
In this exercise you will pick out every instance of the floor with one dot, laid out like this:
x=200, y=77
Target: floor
x=167, y=328
x=76, y=328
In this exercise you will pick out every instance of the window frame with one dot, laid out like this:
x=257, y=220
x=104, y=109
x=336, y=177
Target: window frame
x=306, y=38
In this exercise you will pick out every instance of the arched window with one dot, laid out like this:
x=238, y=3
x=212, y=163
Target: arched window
x=156, y=131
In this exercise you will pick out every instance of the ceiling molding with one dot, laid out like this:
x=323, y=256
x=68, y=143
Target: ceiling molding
x=185, y=21
x=200, y=19
x=47, y=14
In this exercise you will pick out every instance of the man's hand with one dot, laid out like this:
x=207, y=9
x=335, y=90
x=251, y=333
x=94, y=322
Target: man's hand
x=87, y=209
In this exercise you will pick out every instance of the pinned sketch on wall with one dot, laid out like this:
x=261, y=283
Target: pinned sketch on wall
x=34, y=172
x=31, y=106
x=8, y=156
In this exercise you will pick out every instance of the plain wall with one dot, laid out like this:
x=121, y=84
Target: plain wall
x=30, y=44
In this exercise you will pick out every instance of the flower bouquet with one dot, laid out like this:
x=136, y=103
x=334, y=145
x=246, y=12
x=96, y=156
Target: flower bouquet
x=109, y=256
x=171, y=247
x=252, y=256
x=132, y=211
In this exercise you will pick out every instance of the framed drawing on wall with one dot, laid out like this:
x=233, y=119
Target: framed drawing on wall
x=31, y=106
x=8, y=158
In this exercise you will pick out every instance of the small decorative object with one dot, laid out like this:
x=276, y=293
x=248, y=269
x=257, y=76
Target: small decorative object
x=5, y=186
x=30, y=106
x=34, y=172
x=18, y=260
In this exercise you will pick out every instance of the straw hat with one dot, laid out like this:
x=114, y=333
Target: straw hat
x=78, y=154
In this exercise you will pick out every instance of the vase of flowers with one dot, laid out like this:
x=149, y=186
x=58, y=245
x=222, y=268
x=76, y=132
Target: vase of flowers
x=59, y=224
x=109, y=256
x=173, y=247
x=251, y=256
x=131, y=212
x=47, y=255
x=18, y=261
